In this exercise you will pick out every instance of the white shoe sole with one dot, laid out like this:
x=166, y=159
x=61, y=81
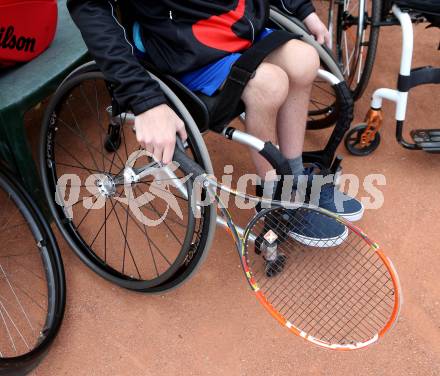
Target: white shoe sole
x=353, y=217
x=320, y=242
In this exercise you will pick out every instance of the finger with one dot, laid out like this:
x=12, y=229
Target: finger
x=320, y=38
x=148, y=148
x=139, y=138
x=327, y=39
x=182, y=133
x=168, y=153
x=150, y=152
x=157, y=153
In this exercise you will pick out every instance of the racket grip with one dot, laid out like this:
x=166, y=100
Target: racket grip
x=186, y=163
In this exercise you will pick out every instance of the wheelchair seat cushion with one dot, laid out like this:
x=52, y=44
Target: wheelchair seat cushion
x=200, y=106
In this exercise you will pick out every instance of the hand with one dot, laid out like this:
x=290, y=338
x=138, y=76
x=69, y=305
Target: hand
x=156, y=131
x=318, y=29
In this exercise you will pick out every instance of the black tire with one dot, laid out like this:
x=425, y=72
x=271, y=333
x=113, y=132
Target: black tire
x=196, y=236
x=353, y=141
x=359, y=74
x=33, y=258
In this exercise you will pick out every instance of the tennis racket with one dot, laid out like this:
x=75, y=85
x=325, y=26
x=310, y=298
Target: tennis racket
x=343, y=294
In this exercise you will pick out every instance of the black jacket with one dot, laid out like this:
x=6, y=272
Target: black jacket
x=179, y=36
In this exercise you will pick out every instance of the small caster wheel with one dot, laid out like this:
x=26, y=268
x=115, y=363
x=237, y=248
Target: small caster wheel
x=113, y=139
x=275, y=267
x=353, y=141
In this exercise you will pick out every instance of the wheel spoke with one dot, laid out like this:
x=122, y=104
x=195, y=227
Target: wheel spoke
x=332, y=94
x=164, y=220
x=152, y=242
x=89, y=146
x=81, y=134
x=98, y=118
x=88, y=169
x=126, y=232
x=91, y=170
x=125, y=238
x=87, y=213
x=316, y=103
x=161, y=189
x=104, y=225
x=16, y=298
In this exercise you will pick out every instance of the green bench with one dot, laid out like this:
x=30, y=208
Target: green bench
x=23, y=87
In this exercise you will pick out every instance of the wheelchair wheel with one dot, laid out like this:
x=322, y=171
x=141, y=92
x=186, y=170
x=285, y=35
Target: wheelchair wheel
x=324, y=101
x=142, y=235
x=32, y=285
x=353, y=141
x=356, y=38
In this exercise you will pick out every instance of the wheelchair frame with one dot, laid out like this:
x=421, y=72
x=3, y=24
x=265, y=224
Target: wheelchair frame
x=324, y=157
x=424, y=139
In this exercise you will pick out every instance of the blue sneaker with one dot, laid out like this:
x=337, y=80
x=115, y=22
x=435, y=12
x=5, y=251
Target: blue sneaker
x=332, y=199
x=316, y=230
x=306, y=226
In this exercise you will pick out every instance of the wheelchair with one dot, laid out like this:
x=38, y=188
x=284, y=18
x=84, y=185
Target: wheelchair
x=86, y=140
x=365, y=138
x=355, y=26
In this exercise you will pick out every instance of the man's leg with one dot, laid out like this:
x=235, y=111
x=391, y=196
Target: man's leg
x=270, y=114
x=263, y=97
x=301, y=63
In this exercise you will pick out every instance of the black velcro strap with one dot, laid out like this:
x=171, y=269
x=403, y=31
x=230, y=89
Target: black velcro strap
x=240, y=76
x=253, y=56
x=277, y=160
x=345, y=111
x=241, y=72
x=346, y=114
x=281, y=165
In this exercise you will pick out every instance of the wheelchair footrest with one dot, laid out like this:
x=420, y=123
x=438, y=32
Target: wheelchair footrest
x=427, y=139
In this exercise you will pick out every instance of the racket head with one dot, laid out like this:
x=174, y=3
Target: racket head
x=343, y=295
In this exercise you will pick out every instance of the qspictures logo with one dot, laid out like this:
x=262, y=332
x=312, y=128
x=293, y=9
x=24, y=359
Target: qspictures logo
x=9, y=40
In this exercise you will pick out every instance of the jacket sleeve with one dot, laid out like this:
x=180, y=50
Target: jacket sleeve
x=107, y=42
x=299, y=8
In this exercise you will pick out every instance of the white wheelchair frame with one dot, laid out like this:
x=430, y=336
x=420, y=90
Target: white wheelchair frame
x=425, y=139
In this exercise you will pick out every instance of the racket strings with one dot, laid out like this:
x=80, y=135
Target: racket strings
x=340, y=293
x=325, y=297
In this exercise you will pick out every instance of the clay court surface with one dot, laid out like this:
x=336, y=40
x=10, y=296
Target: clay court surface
x=213, y=325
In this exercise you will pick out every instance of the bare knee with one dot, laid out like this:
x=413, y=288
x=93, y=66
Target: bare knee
x=268, y=89
x=301, y=62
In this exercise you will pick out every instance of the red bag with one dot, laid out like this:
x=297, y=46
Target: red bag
x=27, y=27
